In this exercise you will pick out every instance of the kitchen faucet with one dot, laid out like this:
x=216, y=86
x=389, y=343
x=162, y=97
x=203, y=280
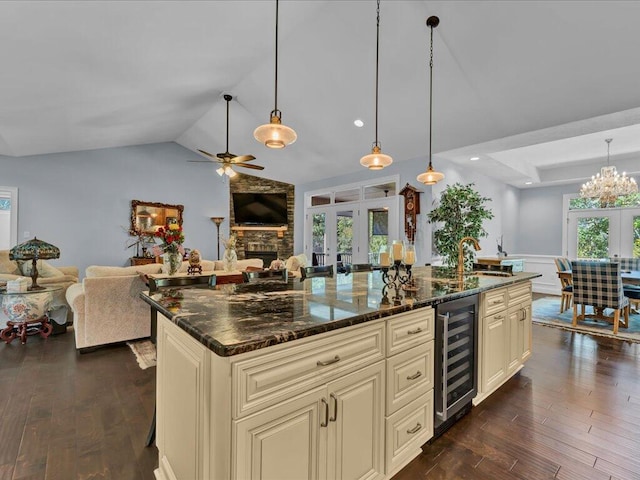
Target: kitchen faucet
x=476, y=245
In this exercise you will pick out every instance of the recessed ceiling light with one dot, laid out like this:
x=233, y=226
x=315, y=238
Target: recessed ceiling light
x=474, y=159
x=358, y=123
x=528, y=183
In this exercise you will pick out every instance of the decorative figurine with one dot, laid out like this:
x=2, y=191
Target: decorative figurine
x=194, y=263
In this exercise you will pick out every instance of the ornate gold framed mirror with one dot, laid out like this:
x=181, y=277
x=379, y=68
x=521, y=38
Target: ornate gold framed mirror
x=146, y=217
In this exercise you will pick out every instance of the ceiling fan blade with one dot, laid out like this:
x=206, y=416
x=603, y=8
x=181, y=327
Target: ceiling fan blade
x=248, y=165
x=242, y=158
x=206, y=153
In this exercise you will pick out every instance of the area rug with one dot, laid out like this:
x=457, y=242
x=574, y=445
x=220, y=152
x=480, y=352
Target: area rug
x=545, y=311
x=145, y=352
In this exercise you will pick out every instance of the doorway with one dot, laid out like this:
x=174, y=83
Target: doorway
x=8, y=217
x=603, y=233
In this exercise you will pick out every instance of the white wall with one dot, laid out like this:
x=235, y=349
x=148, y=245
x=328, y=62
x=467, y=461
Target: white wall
x=81, y=201
x=504, y=204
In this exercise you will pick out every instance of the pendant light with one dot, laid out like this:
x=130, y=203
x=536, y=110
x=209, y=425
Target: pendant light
x=274, y=134
x=431, y=177
x=376, y=160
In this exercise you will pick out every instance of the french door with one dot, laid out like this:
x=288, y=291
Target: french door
x=342, y=234
x=603, y=233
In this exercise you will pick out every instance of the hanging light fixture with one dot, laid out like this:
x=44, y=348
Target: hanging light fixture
x=431, y=177
x=608, y=184
x=274, y=134
x=376, y=160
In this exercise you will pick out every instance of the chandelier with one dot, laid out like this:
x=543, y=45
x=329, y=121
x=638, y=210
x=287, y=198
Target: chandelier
x=608, y=185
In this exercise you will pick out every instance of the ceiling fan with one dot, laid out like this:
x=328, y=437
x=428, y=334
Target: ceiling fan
x=229, y=160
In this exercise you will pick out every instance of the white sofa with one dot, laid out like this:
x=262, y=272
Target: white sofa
x=107, y=307
x=48, y=276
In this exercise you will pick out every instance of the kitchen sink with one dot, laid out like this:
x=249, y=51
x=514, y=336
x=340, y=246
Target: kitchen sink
x=482, y=269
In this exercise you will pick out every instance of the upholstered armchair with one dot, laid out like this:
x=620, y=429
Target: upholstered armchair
x=599, y=285
x=566, y=283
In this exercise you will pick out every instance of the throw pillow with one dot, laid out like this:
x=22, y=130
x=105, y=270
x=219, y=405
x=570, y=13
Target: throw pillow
x=45, y=270
x=8, y=266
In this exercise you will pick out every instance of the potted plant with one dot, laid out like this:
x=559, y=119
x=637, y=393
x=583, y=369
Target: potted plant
x=461, y=212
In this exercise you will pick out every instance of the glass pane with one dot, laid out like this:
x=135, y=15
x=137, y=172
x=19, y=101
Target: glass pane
x=380, y=191
x=579, y=203
x=319, y=238
x=593, y=237
x=323, y=199
x=344, y=230
x=636, y=237
x=378, y=228
x=348, y=196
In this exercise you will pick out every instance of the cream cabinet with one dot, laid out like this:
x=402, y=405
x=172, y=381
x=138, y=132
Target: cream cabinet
x=505, y=336
x=332, y=432
x=410, y=381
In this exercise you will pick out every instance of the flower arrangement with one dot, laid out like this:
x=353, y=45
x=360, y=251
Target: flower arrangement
x=171, y=238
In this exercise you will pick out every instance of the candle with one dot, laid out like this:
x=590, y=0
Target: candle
x=397, y=251
x=409, y=257
x=384, y=259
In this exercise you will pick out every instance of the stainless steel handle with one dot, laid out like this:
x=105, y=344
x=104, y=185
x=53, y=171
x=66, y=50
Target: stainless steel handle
x=413, y=332
x=418, y=374
x=322, y=363
x=415, y=429
x=326, y=413
x=335, y=408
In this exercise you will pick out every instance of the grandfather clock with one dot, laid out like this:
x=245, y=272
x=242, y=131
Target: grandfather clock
x=411, y=209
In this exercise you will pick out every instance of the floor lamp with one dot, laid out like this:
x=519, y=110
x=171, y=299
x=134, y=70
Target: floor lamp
x=218, y=221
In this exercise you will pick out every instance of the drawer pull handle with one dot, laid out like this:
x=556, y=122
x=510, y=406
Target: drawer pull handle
x=414, y=332
x=325, y=422
x=324, y=363
x=418, y=374
x=414, y=429
x=499, y=317
x=496, y=302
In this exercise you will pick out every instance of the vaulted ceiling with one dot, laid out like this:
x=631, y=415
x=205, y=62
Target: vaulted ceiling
x=532, y=88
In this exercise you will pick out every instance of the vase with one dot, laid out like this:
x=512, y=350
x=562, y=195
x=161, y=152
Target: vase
x=171, y=263
x=230, y=260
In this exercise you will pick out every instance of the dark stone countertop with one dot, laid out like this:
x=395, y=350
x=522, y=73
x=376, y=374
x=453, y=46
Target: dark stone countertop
x=232, y=319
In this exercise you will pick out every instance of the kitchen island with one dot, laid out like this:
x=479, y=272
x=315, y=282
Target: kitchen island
x=316, y=379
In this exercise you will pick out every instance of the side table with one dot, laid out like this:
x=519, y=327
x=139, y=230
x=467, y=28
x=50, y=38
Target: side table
x=27, y=313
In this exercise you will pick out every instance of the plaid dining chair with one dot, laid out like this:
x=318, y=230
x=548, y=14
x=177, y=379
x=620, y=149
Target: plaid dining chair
x=631, y=291
x=566, y=284
x=599, y=285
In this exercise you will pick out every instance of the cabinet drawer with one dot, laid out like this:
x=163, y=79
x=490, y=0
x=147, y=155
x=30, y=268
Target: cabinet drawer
x=264, y=380
x=409, y=376
x=407, y=430
x=520, y=293
x=409, y=329
x=495, y=300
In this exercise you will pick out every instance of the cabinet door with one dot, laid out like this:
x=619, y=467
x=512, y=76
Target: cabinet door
x=182, y=384
x=282, y=442
x=355, y=447
x=514, y=335
x=494, y=338
x=527, y=332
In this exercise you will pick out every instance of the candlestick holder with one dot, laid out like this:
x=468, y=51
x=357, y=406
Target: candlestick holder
x=394, y=277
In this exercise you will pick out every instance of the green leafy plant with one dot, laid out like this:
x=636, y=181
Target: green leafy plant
x=459, y=213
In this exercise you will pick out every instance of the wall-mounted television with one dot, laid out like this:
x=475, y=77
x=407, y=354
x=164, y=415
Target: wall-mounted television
x=260, y=208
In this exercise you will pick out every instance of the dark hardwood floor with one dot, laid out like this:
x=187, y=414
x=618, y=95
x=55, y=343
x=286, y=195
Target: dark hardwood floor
x=572, y=413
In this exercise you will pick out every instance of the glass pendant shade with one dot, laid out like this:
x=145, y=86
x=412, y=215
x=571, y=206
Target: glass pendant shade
x=376, y=160
x=430, y=177
x=274, y=134
x=220, y=171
